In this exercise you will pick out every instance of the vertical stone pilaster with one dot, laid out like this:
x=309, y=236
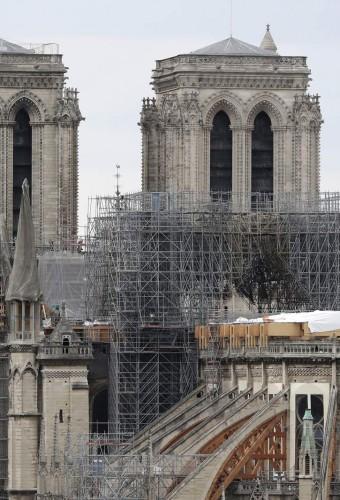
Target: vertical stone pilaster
x=205, y=166
x=67, y=182
x=314, y=173
x=8, y=174
x=37, y=180
x=298, y=159
x=241, y=166
x=3, y=194
x=279, y=174
x=23, y=420
x=49, y=193
x=247, y=160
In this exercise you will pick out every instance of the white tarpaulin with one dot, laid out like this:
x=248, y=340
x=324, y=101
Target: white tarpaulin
x=318, y=321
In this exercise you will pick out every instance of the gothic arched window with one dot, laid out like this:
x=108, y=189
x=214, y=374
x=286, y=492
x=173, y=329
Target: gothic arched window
x=221, y=154
x=22, y=160
x=262, y=155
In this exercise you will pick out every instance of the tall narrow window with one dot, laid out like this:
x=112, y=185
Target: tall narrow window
x=262, y=155
x=307, y=465
x=221, y=154
x=22, y=160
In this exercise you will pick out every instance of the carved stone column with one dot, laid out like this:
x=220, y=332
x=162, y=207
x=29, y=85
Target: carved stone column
x=3, y=166
x=205, y=167
x=278, y=160
x=241, y=167
x=37, y=179
x=8, y=170
x=248, y=166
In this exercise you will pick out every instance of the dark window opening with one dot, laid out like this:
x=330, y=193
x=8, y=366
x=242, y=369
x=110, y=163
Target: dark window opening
x=262, y=155
x=221, y=153
x=100, y=413
x=307, y=465
x=22, y=161
x=66, y=341
x=61, y=417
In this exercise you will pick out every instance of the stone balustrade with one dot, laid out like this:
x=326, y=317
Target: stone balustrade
x=291, y=349
x=57, y=350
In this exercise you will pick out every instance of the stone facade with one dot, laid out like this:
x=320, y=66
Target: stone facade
x=34, y=82
x=242, y=81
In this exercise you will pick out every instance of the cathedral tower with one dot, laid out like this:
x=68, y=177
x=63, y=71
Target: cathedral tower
x=23, y=298
x=232, y=117
x=39, y=121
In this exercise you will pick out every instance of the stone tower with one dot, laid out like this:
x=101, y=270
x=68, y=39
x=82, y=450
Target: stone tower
x=39, y=121
x=232, y=117
x=48, y=388
x=63, y=360
x=23, y=298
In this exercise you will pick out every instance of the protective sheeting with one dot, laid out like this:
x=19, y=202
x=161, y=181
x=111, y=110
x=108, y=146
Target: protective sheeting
x=62, y=280
x=318, y=321
x=23, y=280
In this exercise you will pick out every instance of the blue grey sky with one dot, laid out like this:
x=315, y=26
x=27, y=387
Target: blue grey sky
x=110, y=47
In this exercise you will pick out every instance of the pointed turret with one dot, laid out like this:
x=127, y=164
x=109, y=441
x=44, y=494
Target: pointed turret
x=268, y=41
x=23, y=282
x=307, y=457
x=23, y=292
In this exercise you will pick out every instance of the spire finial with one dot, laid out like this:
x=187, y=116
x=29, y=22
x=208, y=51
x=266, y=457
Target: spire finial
x=268, y=42
x=117, y=175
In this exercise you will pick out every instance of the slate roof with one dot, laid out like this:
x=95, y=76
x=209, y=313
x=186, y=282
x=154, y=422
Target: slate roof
x=233, y=47
x=6, y=47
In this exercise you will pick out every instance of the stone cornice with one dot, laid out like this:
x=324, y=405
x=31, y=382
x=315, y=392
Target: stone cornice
x=45, y=59
x=24, y=415
x=269, y=82
x=23, y=348
x=288, y=61
x=66, y=373
x=31, y=81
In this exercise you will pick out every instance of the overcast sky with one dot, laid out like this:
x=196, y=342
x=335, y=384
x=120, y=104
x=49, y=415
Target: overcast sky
x=110, y=47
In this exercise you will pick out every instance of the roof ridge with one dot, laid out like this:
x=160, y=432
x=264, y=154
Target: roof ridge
x=234, y=46
x=6, y=47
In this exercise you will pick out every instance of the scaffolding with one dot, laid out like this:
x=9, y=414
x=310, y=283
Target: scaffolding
x=4, y=370
x=62, y=280
x=159, y=263
x=91, y=472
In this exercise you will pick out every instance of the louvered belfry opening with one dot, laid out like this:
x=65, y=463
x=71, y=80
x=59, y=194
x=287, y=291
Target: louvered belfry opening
x=262, y=155
x=221, y=154
x=22, y=160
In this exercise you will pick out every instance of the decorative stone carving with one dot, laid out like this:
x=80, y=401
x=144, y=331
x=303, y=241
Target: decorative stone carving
x=309, y=371
x=64, y=373
x=34, y=105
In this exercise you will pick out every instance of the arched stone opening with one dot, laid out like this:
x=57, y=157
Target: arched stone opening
x=262, y=155
x=221, y=154
x=22, y=160
x=100, y=412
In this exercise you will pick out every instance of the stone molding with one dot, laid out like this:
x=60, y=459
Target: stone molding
x=64, y=373
x=289, y=61
x=309, y=371
x=32, y=82
x=23, y=348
